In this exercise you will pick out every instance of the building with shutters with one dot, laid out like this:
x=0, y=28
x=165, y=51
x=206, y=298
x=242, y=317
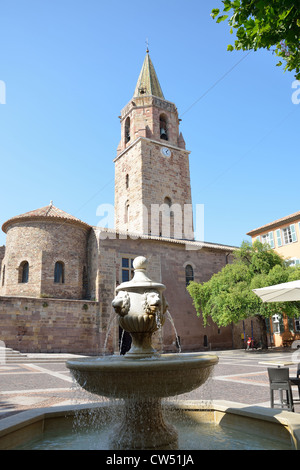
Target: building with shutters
x=283, y=235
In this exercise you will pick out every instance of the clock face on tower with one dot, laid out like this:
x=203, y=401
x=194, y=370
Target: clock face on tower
x=166, y=152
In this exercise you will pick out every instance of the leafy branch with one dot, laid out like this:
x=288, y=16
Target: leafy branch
x=272, y=25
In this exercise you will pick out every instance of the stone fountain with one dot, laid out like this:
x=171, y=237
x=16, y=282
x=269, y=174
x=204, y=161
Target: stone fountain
x=143, y=376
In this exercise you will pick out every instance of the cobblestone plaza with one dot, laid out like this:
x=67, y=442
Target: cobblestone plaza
x=240, y=376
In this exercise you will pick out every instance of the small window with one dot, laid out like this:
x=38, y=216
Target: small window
x=127, y=269
x=84, y=282
x=59, y=272
x=168, y=201
x=268, y=238
x=189, y=274
x=127, y=130
x=163, y=124
x=24, y=272
x=126, y=218
x=278, y=325
x=294, y=262
x=289, y=234
x=127, y=181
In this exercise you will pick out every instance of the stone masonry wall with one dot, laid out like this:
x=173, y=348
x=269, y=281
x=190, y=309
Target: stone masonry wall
x=50, y=325
x=2, y=254
x=167, y=261
x=145, y=178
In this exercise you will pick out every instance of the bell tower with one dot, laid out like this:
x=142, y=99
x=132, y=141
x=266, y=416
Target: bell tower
x=152, y=177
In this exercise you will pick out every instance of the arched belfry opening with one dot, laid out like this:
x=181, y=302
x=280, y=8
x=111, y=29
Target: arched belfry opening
x=163, y=127
x=127, y=130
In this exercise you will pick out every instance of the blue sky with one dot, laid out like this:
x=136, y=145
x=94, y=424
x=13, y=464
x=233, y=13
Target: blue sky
x=70, y=66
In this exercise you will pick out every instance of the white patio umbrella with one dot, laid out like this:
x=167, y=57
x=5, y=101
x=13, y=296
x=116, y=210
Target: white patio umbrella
x=288, y=291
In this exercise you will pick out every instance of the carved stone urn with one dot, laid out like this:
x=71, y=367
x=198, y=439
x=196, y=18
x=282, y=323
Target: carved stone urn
x=141, y=306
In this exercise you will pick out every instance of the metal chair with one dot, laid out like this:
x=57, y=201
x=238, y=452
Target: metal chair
x=279, y=381
x=296, y=380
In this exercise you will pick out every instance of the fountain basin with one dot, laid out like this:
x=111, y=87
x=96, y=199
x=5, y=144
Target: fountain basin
x=31, y=429
x=154, y=377
x=142, y=383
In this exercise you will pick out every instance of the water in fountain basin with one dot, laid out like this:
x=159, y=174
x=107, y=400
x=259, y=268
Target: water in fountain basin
x=93, y=431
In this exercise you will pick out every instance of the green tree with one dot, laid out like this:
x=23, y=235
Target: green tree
x=272, y=25
x=228, y=297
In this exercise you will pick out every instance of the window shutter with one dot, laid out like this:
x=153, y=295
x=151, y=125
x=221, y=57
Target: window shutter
x=271, y=238
x=293, y=231
x=291, y=324
x=281, y=324
x=278, y=235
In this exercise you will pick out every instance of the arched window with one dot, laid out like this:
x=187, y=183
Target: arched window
x=127, y=130
x=24, y=272
x=163, y=126
x=84, y=283
x=127, y=181
x=126, y=219
x=189, y=274
x=59, y=272
x=168, y=201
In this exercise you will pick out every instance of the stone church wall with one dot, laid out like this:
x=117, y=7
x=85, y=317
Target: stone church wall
x=167, y=261
x=2, y=254
x=50, y=325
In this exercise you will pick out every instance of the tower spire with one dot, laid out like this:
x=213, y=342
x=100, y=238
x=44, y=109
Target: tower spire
x=148, y=83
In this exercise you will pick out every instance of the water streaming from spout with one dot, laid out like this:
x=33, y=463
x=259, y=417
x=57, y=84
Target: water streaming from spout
x=121, y=342
x=169, y=317
x=111, y=321
x=158, y=320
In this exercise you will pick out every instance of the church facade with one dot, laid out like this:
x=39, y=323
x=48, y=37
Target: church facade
x=59, y=274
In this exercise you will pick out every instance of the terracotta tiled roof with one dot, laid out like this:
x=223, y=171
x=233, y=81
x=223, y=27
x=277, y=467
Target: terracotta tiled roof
x=282, y=221
x=49, y=212
x=192, y=244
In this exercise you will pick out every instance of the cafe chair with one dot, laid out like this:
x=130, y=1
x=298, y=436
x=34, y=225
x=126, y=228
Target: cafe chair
x=296, y=380
x=280, y=382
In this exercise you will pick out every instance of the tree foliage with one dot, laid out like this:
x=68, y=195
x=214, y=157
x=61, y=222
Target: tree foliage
x=228, y=297
x=269, y=25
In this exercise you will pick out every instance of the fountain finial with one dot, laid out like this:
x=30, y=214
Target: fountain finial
x=140, y=263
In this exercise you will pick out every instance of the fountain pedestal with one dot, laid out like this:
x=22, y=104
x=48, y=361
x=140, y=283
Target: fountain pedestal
x=144, y=427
